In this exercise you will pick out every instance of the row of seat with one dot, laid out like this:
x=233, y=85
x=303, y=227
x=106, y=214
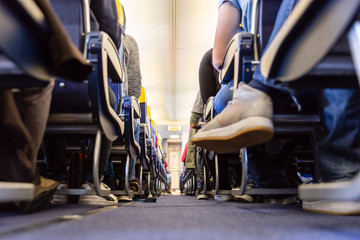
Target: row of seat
x=80, y=108
x=300, y=130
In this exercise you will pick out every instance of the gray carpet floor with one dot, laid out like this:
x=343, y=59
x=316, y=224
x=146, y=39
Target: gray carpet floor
x=178, y=217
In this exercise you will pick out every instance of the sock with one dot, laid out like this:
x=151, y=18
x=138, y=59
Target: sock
x=271, y=92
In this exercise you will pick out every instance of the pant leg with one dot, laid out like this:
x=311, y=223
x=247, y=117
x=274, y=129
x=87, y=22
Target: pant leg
x=338, y=151
x=224, y=95
x=132, y=162
x=208, y=77
x=106, y=144
x=18, y=157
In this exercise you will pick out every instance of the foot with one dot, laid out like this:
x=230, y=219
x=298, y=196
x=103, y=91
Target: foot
x=96, y=199
x=202, y=197
x=246, y=121
x=43, y=196
x=135, y=185
x=223, y=197
x=332, y=207
x=281, y=200
x=243, y=198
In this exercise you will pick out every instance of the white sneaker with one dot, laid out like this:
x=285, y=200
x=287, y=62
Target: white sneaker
x=223, y=197
x=246, y=121
x=109, y=200
x=332, y=207
x=60, y=199
x=243, y=198
x=202, y=197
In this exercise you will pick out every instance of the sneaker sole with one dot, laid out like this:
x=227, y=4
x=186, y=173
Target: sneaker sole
x=245, y=133
x=40, y=201
x=202, y=197
x=332, y=208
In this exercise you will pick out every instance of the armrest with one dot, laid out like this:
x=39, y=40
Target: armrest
x=99, y=45
x=239, y=48
x=209, y=109
x=143, y=138
x=16, y=191
x=131, y=109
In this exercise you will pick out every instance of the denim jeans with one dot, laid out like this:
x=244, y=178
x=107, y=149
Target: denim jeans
x=132, y=162
x=338, y=151
x=224, y=95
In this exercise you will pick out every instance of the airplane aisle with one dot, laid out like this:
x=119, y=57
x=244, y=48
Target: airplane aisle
x=178, y=217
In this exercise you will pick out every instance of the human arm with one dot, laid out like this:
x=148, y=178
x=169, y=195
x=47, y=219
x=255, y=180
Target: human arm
x=229, y=18
x=133, y=67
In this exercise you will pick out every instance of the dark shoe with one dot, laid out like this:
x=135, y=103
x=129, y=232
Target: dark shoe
x=281, y=200
x=43, y=196
x=135, y=185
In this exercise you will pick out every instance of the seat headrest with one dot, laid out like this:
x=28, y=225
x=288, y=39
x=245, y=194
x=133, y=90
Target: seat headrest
x=121, y=14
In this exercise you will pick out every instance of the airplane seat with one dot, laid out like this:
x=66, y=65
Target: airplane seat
x=267, y=15
x=240, y=62
x=144, y=129
x=83, y=110
x=33, y=63
x=327, y=65
x=132, y=112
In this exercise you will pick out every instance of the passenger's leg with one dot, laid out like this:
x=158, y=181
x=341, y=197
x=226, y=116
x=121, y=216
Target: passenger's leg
x=20, y=142
x=224, y=95
x=338, y=151
x=134, y=182
x=106, y=144
x=208, y=77
x=190, y=154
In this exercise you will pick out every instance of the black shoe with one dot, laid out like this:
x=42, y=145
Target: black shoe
x=135, y=185
x=43, y=196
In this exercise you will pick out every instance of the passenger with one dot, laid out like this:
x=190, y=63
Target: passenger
x=263, y=170
x=196, y=115
x=168, y=179
x=210, y=86
x=182, y=169
x=251, y=113
x=132, y=87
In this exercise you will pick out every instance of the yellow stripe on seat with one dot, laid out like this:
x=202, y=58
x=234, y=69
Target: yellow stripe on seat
x=142, y=97
x=148, y=111
x=120, y=10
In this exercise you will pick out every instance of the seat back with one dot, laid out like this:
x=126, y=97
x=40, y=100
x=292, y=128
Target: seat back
x=33, y=65
x=72, y=97
x=267, y=16
x=306, y=38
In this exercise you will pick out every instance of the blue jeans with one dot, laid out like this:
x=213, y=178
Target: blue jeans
x=224, y=95
x=132, y=162
x=168, y=181
x=338, y=151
